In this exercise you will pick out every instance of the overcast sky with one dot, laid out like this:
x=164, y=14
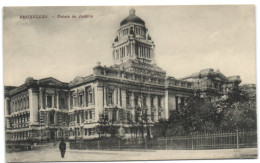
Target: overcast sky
x=187, y=39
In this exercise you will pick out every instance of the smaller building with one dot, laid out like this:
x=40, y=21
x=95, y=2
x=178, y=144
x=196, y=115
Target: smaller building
x=36, y=111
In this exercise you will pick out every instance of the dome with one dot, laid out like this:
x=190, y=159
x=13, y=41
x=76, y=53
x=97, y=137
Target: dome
x=132, y=18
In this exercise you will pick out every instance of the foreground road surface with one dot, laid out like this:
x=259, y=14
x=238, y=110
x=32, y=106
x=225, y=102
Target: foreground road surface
x=95, y=155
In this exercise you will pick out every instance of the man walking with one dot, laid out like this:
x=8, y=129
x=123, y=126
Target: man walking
x=62, y=147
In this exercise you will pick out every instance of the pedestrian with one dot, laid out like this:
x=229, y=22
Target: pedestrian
x=62, y=147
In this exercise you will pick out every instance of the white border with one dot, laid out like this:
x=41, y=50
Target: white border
x=117, y=3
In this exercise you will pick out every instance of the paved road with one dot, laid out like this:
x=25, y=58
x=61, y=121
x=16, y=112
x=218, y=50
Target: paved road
x=86, y=155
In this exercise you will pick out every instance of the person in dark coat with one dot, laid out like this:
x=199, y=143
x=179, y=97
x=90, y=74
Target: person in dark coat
x=62, y=147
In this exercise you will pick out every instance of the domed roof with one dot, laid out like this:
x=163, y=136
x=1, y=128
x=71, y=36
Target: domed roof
x=132, y=18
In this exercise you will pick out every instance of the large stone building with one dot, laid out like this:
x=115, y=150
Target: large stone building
x=132, y=91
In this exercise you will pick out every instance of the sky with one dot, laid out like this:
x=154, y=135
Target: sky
x=187, y=40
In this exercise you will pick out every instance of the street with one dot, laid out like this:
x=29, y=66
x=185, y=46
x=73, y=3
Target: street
x=53, y=154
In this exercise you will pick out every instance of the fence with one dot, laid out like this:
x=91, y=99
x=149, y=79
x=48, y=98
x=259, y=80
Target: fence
x=193, y=142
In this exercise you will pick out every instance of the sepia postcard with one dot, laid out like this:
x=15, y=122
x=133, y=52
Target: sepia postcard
x=124, y=83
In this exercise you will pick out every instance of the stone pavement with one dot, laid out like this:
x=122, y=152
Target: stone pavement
x=101, y=155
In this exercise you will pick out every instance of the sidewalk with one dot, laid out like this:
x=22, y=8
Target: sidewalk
x=53, y=155
x=242, y=153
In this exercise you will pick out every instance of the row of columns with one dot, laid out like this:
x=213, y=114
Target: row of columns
x=88, y=97
x=83, y=115
x=20, y=121
x=144, y=51
x=55, y=104
x=121, y=52
x=18, y=104
x=21, y=135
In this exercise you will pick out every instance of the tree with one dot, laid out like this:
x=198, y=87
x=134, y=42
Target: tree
x=106, y=127
x=197, y=115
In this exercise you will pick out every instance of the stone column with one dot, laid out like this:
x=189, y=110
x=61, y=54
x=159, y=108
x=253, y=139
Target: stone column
x=58, y=100
x=115, y=96
x=140, y=100
x=119, y=97
x=41, y=99
x=123, y=98
x=52, y=101
x=69, y=100
x=84, y=98
x=105, y=96
x=7, y=100
x=148, y=104
x=99, y=102
x=155, y=103
x=33, y=99
x=46, y=103
x=132, y=103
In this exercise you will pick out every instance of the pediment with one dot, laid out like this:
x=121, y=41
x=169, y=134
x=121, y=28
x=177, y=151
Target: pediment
x=77, y=80
x=220, y=77
x=52, y=82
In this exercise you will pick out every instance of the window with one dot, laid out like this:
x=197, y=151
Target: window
x=128, y=115
x=151, y=101
x=74, y=101
x=136, y=100
x=114, y=115
x=49, y=101
x=90, y=114
x=136, y=116
x=77, y=118
x=51, y=117
x=89, y=131
x=90, y=96
x=86, y=132
x=80, y=100
x=159, y=101
x=110, y=99
x=82, y=117
x=182, y=100
x=121, y=115
x=86, y=114
x=127, y=99
x=152, y=116
x=144, y=101
x=159, y=115
x=62, y=103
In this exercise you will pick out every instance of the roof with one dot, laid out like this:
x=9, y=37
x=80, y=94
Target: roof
x=132, y=18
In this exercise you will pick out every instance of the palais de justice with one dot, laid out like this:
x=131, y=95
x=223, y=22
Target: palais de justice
x=134, y=86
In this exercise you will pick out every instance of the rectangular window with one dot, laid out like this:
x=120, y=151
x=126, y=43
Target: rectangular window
x=90, y=96
x=152, y=105
x=110, y=99
x=121, y=115
x=80, y=100
x=89, y=131
x=74, y=101
x=86, y=114
x=114, y=115
x=159, y=101
x=51, y=117
x=82, y=117
x=49, y=101
x=127, y=99
x=144, y=101
x=86, y=132
x=136, y=100
x=90, y=114
x=159, y=115
x=77, y=118
x=136, y=116
x=152, y=116
x=128, y=116
x=62, y=103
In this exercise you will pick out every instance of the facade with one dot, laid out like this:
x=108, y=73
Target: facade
x=132, y=91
